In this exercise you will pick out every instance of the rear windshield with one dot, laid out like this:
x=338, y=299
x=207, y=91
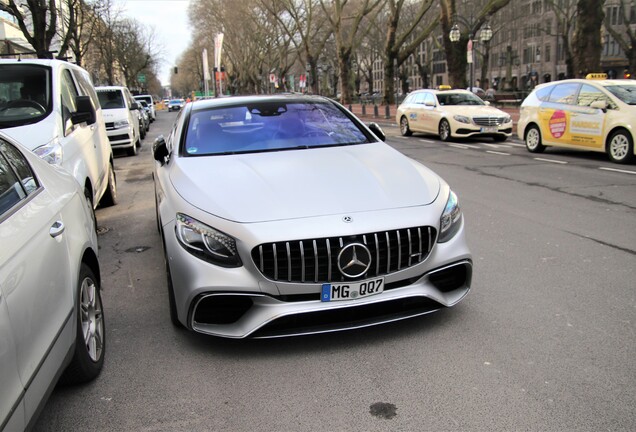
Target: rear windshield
x=269, y=126
x=111, y=99
x=25, y=94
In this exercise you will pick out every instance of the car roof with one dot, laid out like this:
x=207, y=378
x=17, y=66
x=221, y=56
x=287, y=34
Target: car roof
x=109, y=88
x=601, y=82
x=435, y=91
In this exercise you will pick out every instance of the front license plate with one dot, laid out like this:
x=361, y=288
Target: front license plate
x=489, y=129
x=351, y=290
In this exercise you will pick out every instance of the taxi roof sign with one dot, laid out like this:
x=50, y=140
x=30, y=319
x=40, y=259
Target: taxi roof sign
x=444, y=87
x=599, y=76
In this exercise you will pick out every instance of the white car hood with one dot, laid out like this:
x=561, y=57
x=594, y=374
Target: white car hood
x=474, y=110
x=304, y=183
x=35, y=135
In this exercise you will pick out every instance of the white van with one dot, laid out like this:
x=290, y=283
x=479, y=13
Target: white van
x=51, y=107
x=151, y=104
x=121, y=116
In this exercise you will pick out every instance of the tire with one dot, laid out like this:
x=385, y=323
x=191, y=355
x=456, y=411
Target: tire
x=533, y=140
x=620, y=147
x=444, y=131
x=405, y=130
x=90, y=339
x=499, y=138
x=89, y=197
x=110, y=196
x=132, y=151
x=142, y=131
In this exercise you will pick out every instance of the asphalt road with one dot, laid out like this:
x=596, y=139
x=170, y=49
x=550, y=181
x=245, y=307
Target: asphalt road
x=545, y=341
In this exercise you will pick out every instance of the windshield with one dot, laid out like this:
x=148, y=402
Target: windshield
x=25, y=94
x=458, y=99
x=269, y=126
x=111, y=99
x=625, y=92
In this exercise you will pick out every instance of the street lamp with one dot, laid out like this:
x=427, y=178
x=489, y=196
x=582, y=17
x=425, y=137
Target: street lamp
x=484, y=36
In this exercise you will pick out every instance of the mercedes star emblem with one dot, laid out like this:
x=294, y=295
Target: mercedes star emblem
x=354, y=260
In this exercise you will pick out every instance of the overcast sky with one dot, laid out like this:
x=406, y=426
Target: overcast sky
x=169, y=18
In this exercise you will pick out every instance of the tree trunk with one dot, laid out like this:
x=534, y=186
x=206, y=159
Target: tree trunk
x=586, y=44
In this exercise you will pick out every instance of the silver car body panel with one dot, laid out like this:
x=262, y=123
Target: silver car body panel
x=344, y=191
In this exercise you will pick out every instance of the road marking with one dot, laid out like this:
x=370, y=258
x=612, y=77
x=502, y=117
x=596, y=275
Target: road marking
x=497, y=153
x=518, y=145
x=617, y=170
x=551, y=161
x=403, y=137
x=459, y=146
x=497, y=145
x=428, y=141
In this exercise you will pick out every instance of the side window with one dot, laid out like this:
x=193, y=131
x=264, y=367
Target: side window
x=589, y=94
x=69, y=92
x=544, y=93
x=17, y=181
x=84, y=82
x=429, y=98
x=564, y=93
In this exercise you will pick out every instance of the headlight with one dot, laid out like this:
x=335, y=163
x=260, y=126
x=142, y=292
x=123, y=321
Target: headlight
x=206, y=243
x=507, y=119
x=461, y=119
x=450, y=221
x=120, y=124
x=51, y=152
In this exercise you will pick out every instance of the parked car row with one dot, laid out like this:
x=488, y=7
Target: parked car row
x=57, y=135
x=593, y=114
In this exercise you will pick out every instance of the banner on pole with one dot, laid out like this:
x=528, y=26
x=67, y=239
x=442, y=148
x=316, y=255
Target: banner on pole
x=206, y=67
x=218, y=45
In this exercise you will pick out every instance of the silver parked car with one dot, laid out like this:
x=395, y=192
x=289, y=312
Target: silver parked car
x=285, y=215
x=51, y=319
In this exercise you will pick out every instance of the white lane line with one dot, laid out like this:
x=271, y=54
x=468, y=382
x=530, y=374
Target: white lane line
x=498, y=153
x=471, y=146
x=403, y=137
x=617, y=170
x=428, y=141
x=551, y=161
x=517, y=145
x=459, y=146
x=497, y=145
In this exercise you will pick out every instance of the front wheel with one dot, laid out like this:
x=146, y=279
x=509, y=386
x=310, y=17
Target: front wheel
x=404, y=127
x=444, y=131
x=533, y=140
x=620, y=147
x=90, y=339
x=110, y=196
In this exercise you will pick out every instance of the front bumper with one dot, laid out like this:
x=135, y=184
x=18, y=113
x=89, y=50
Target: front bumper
x=120, y=138
x=241, y=302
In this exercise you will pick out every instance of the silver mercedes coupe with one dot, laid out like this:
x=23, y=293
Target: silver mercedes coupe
x=286, y=215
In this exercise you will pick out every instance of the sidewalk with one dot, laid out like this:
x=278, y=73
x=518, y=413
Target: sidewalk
x=382, y=117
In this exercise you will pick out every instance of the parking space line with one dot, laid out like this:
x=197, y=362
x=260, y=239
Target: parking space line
x=427, y=141
x=551, y=161
x=617, y=170
x=517, y=145
x=459, y=146
x=497, y=153
x=497, y=145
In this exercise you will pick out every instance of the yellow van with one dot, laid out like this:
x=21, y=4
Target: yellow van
x=594, y=114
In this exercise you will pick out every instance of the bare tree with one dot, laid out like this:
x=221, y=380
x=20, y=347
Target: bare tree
x=38, y=23
x=344, y=22
x=456, y=51
x=402, y=41
x=82, y=22
x=586, y=41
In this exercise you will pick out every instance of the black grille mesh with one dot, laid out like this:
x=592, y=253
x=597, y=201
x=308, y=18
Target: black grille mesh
x=316, y=260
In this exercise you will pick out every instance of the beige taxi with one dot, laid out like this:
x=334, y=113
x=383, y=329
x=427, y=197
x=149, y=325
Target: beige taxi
x=594, y=114
x=452, y=114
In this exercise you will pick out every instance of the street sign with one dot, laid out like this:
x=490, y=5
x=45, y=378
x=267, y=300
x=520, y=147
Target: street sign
x=141, y=78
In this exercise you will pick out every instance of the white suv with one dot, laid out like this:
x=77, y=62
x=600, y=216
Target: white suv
x=51, y=106
x=122, y=117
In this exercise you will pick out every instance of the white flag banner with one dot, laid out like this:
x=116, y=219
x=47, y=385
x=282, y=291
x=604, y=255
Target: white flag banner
x=206, y=67
x=218, y=45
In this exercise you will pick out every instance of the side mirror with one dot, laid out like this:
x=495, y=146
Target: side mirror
x=134, y=106
x=486, y=103
x=429, y=103
x=377, y=130
x=599, y=104
x=85, y=111
x=160, y=149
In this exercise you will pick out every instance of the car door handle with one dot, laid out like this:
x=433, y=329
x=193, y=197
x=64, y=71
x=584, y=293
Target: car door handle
x=56, y=229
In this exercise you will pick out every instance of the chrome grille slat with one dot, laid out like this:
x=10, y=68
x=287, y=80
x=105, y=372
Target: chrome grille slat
x=292, y=260
x=488, y=121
